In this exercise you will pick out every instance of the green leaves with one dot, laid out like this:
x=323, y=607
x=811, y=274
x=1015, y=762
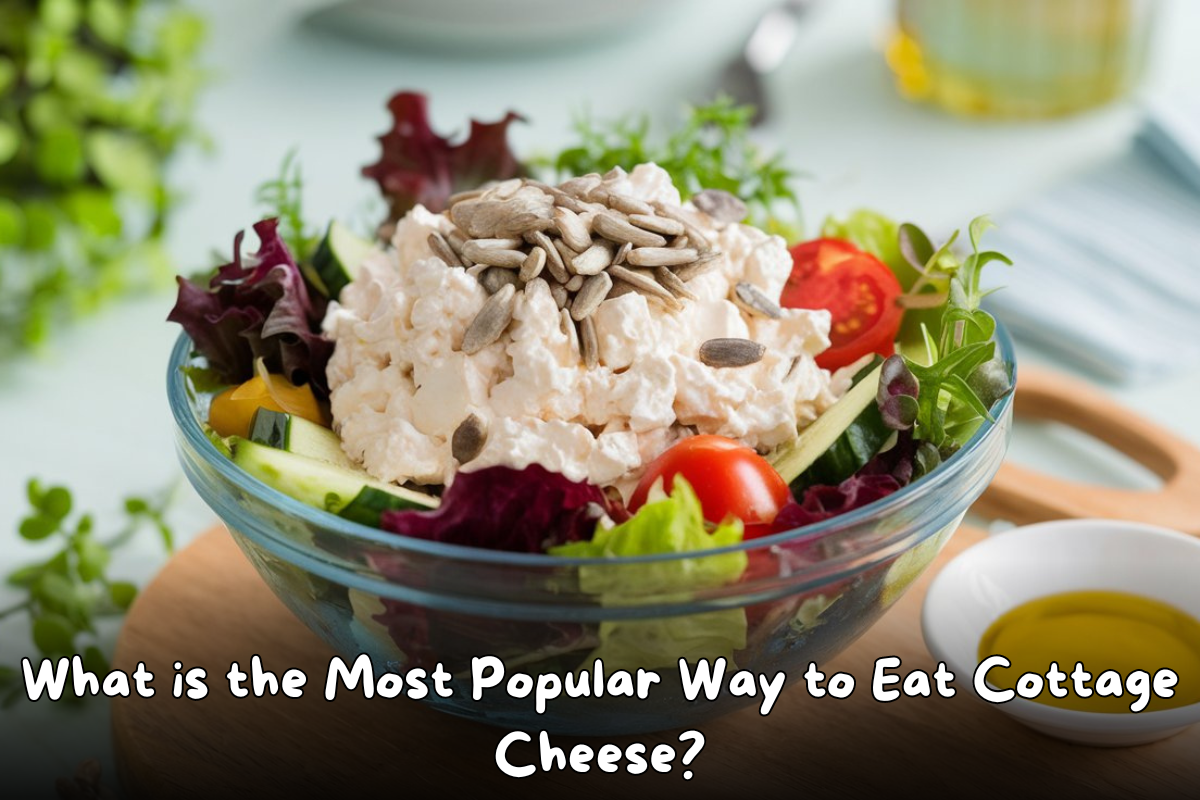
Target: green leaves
x=66, y=593
x=711, y=150
x=283, y=197
x=124, y=163
x=959, y=376
x=95, y=98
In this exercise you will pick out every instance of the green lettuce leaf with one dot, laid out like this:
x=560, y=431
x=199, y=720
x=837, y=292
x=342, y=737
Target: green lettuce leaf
x=876, y=234
x=673, y=524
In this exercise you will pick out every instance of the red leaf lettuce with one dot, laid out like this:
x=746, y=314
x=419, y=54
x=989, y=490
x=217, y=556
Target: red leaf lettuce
x=257, y=307
x=499, y=508
x=419, y=166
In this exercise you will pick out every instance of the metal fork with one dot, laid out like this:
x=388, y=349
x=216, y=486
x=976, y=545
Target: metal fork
x=765, y=49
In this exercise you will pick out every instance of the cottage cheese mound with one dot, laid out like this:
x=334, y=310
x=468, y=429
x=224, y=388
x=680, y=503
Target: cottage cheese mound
x=400, y=385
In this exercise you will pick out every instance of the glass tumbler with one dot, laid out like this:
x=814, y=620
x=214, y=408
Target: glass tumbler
x=1019, y=58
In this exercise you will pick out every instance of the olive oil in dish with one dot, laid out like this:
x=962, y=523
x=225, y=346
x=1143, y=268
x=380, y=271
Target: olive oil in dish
x=1104, y=630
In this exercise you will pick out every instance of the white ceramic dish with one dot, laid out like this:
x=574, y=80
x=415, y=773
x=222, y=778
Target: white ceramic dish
x=1011, y=568
x=486, y=26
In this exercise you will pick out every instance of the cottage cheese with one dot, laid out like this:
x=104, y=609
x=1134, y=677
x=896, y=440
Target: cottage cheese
x=400, y=386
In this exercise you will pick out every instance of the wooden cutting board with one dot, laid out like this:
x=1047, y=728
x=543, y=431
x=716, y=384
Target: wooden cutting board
x=208, y=607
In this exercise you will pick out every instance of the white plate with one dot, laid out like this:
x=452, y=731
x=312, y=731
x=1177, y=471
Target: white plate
x=1026, y=563
x=528, y=26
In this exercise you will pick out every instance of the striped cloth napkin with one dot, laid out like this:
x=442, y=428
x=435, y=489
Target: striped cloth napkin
x=1107, y=265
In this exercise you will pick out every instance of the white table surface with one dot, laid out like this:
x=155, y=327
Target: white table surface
x=92, y=411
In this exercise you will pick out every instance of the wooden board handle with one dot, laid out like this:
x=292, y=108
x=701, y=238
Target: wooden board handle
x=1023, y=495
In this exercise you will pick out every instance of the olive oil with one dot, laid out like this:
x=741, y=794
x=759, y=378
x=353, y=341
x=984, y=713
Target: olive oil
x=1105, y=631
x=1019, y=58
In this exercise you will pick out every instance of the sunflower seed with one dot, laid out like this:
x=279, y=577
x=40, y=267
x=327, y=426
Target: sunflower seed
x=628, y=205
x=622, y=254
x=731, y=352
x=522, y=223
x=593, y=260
x=566, y=255
x=723, y=207
x=679, y=241
x=661, y=256
x=459, y=197
x=479, y=218
x=568, y=328
x=750, y=299
x=590, y=295
x=589, y=348
x=615, y=174
x=494, y=256
x=554, y=260
x=701, y=265
x=673, y=284
x=644, y=283
x=456, y=239
x=572, y=229
x=561, y=198
x=575, y=284
x=441, y=249
x=696, y=237
x=656, y=224
x=618, y=230
x=505, y=189
x=493, y=279
x=491, y=320
x=501, y=243
x=581, y=186
x=534, y=262
x=560, y=294
x=529, y=209
x=468, y=439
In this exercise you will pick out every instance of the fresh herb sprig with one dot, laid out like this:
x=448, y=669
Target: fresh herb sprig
x=66, y=594
x=711, y=150
x=283, y=197
x=946, y=395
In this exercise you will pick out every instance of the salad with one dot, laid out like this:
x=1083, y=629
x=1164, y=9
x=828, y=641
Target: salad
x=594, y=367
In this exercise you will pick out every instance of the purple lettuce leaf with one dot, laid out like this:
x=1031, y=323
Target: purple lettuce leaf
x=517, y=510
x=417, y=165
x=884, y=474
x=257, y=307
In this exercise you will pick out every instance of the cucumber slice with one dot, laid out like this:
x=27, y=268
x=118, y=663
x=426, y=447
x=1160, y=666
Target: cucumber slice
x=858, y=444
x=300, y=436
x=793, y=460
x=336, y=260
x=368, y=506
x=314, y=482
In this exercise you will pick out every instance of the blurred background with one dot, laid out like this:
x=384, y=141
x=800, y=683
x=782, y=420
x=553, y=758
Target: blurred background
x=134, y=135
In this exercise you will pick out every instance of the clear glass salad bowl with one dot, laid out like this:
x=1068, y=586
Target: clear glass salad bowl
x=805, y=594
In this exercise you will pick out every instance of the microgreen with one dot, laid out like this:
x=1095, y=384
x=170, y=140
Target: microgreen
x=958, y=379
x=67, y=593
x=712, y=149
x=283, y=197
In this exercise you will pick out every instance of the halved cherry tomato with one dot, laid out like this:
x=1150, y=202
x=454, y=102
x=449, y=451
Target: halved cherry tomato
x=729, y=479
x=859, y=291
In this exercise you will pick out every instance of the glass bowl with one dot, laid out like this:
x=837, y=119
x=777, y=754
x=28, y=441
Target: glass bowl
x=407, y=603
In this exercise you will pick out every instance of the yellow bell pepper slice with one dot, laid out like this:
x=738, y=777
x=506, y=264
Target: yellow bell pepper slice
x=232, y=411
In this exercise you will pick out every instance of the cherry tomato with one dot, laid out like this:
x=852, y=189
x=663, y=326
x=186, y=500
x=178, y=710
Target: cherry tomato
x=729, y=479
x=859, y=291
